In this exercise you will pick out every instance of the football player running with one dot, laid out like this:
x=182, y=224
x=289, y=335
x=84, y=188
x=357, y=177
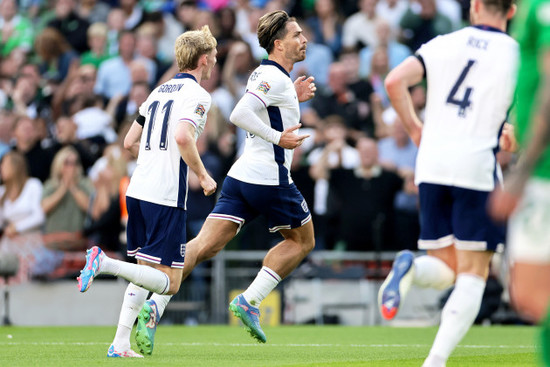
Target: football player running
x=259, y=182
x=471, y=77
x=164, y=139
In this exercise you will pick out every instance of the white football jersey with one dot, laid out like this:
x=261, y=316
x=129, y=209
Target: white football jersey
x=262, y=162
x=161, y=174
x=471, y=78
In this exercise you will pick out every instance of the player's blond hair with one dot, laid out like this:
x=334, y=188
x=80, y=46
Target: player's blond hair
x=191, y=45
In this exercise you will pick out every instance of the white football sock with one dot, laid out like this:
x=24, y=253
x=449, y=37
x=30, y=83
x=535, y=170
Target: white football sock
x=134, y=298
x=161, y=301
x=141, y=275
x=458, y=315
x=434, y=361
x=431, y=272
x=265, y=282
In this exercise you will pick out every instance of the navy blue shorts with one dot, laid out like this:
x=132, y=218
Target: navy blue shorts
x=240, y=202
x=453, y=215
x=156, y=233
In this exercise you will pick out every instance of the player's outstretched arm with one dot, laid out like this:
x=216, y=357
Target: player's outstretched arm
x=185, y=138
x=132, y=138
x=410, y=72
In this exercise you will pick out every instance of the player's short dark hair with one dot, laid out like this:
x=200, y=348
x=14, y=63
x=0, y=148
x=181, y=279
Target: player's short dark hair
x=271, y=27
x=500, y=6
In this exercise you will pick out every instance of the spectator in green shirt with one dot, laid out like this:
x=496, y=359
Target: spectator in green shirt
x=97, y=40
x=16, y=31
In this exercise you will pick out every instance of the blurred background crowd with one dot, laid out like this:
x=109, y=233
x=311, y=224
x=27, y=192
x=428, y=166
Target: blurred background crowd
x=73, y=74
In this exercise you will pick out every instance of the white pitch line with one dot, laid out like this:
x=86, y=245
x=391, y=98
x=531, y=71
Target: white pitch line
x=286, y=345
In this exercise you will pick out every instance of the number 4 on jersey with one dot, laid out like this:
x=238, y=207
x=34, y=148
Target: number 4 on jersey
x=465, y=102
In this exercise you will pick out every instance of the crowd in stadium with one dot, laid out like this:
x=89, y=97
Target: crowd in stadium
x=73, y=74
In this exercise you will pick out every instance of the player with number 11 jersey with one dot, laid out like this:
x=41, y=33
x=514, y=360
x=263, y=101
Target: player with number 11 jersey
x=161, y=174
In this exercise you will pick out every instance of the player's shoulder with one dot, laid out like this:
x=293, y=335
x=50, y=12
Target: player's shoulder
x=192, y=90
x=268, y=79
x=450, y=38
x=270, y=71
x=202, y=93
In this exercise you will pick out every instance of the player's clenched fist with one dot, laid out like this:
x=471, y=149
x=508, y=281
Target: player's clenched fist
x=208, y=185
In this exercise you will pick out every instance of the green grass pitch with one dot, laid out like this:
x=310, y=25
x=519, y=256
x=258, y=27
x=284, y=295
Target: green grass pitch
x=227, y=346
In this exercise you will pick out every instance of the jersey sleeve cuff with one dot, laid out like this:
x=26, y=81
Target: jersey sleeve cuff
x=140, y=120
x=190, y=121
x=423, y=64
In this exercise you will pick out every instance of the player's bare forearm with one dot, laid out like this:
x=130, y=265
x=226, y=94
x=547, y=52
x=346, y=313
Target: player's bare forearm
x=402, y=103
x=134, y=149
x=132, y=139
x=397, y=83
x=190, y=155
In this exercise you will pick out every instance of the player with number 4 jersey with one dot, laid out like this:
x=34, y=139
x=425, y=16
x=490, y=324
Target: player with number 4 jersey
x=470, y=76
x=471, y=79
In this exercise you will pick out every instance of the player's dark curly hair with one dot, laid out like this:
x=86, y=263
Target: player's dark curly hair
x=501, y=6
x=271, y=27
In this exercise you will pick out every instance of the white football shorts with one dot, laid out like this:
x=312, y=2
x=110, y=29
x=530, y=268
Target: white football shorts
x=529, y=226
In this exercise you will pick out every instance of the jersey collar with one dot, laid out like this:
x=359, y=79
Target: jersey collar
x=185, y=75
x=271, y=62
x=488, y=28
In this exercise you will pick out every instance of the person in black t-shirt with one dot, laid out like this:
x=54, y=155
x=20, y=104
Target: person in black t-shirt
x=364, y=198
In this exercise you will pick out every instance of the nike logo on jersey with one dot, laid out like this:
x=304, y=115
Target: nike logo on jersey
x=478, y=43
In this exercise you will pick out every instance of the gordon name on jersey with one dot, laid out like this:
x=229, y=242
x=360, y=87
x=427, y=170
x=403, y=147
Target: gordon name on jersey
x=161, y=174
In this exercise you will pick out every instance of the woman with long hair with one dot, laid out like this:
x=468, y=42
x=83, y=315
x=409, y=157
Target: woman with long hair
x=20, y=212
x=326, y=25
x=55, y=53
x=66, y=199
x=105, y=225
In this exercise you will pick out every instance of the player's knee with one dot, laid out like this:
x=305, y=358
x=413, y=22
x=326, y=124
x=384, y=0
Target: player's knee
x=528, y=305
x=173, y=289
x=308, y=245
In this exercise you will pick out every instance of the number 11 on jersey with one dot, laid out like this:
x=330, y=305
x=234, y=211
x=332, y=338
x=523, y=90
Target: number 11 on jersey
x=166, y=110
